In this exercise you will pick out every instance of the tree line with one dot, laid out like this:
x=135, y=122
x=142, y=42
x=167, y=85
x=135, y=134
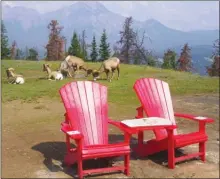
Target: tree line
x=130, y=48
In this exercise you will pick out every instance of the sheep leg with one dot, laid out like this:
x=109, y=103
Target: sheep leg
x=107, y=74
x=109, y=79
x=118, y=72
x=113, y=72
x=68, y=70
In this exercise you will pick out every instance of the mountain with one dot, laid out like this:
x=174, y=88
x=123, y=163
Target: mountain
x=29, y=28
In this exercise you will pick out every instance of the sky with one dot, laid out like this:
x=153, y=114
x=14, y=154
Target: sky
x=180, y=15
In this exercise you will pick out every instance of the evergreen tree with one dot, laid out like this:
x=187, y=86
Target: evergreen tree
x=19, y=54
x=169, y=60
x=26, y=53
x=216, y=51
x=214, y=69
x=185, y=61
x=33, y=54
x=151, y=61
x=75, y=48
x=104, y=49
x=94, y=53
x=84, y=46
x=5, y=51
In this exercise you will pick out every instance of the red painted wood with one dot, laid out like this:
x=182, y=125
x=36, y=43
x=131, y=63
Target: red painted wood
x=87, y=112
x=88, y=104
x=192, y=117
x=171, y=149
x=187, y=157
x=155, y=99
x=109, y=169
x=126, y=165
x=135, y=130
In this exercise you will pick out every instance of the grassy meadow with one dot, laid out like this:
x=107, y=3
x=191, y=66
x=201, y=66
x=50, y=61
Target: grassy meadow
x=119, y=91
x=32, y=113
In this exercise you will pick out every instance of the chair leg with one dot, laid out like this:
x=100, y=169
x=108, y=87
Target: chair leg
x=202, y=149
x=126, y=164
x=171, y=150
x=140, y=138
x=80, y=168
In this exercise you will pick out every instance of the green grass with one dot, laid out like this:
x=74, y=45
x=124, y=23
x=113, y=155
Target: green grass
x=120, y=91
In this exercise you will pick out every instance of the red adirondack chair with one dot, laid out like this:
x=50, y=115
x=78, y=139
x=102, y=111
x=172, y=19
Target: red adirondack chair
x=155, y=99
x=87, y=123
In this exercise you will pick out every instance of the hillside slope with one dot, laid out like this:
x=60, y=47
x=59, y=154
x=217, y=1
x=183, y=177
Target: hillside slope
x=120, y=91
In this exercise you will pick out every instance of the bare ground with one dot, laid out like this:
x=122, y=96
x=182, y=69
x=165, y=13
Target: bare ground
x=34, y=147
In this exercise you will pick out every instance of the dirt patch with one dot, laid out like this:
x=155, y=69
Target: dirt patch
x=33, y=146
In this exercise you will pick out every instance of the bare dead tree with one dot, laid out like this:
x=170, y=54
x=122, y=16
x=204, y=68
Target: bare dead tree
x=55, y=46
x=184, y=63
x=13, y=49
x=132, y=45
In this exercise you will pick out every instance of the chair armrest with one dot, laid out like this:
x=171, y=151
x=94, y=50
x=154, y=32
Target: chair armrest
x=118, y=125
x=76, y=135
x=194, y=118
x=139, y=108
x=140, y=112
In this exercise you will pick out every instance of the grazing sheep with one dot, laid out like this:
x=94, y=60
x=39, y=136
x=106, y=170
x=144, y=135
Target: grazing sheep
x=14, y=78
x=73, y=62
x=65, y=69
x=109, y=65
x=55, y=75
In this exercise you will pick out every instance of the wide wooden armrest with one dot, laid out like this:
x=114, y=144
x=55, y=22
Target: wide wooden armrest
x=140, y=112
x=139, y=108
x=118, y=125
x=64, y=123
x=194, y=118
x=71, y=133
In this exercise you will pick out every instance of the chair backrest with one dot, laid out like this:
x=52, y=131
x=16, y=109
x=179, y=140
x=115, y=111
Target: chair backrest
x=87, y=101
x=155, y=98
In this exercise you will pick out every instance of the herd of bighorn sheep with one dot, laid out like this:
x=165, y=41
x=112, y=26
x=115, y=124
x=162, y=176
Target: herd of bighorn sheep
x=68, y=67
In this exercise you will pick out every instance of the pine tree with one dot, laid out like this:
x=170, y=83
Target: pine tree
x=5, y=52
x=75, y=48
x=33, y=54
x=169, y=60
x=26, y=53
x=104, y=49
x=94, y=53
x=216, y=45
x=19, y=54
x=185, y=61
x=84, y=46
x=214, y=70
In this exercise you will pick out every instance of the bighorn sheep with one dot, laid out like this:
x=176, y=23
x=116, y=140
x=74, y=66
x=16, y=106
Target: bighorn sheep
x=72, y=61
x=109, y=65
x=14, y=78
x=55, y=75
x=65, y=69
